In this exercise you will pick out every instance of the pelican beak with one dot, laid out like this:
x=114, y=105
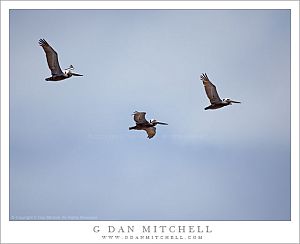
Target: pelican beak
x=76, y=74
x=234, y=101
x=161, y=123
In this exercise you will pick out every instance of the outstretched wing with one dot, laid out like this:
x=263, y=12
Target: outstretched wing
x=139, y=117
x=52, y=58
x=150, y=131
x=210, y=89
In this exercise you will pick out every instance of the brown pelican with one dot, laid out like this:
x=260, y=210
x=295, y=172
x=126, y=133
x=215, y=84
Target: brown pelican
x=143, y=124
x=52, y=60
x=211, y=92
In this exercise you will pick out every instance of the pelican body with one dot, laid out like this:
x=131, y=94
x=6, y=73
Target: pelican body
x=212, y=94
x=53, y=64
x=143, y=124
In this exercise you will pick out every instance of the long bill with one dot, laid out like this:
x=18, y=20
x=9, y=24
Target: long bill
x=76, y=74
x=162, y=123
x=234, y=101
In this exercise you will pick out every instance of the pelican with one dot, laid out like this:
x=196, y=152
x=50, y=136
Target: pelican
x=52, y=60
x=143, y=124
x=212, y=94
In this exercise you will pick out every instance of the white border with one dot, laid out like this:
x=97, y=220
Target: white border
x=287, y=4
x=82, y=231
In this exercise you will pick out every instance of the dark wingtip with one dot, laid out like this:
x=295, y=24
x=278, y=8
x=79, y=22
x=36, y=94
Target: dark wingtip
x=42, y=42
x=204, y=77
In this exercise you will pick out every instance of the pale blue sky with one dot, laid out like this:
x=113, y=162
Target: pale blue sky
x=71, y=153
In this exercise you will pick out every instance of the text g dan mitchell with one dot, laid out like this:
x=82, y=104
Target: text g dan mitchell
x=153, y=229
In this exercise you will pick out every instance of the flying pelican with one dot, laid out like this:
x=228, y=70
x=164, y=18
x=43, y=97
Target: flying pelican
x=52, y=59
x=211, y=92
x=143, y=124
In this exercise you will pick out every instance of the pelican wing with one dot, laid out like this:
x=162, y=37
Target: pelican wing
x=210, y=89
x=52, y=58
x=139, y=117
x=150, y=131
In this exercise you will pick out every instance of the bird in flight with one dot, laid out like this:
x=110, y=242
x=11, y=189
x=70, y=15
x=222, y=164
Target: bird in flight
x=52, y=60
x=143, y=124
x=212, y=94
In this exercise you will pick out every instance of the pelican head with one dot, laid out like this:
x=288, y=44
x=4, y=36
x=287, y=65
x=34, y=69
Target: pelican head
x=69, y=72
x=229, y=101
x=155, y=122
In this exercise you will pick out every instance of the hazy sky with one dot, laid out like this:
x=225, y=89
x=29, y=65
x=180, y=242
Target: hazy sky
x=72, y=155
